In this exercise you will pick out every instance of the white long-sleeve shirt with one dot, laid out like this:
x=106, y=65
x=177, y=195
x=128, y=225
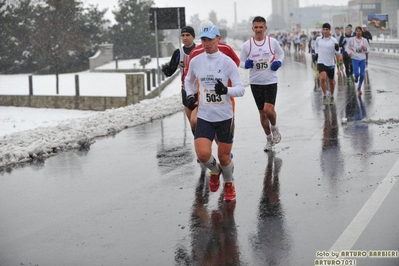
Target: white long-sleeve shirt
x=207, y=68
x=354, y=48
x=263, y=53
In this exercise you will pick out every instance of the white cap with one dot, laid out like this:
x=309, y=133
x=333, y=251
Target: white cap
x=205, y=23
x=364, y=26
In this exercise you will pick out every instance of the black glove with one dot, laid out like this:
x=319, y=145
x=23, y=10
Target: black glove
x=220, y=88
x=166, y=70
x=191, y=102
x=316, y=56
x=336, y=47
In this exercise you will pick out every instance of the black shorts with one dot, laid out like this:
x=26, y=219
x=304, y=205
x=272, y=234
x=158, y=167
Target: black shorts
x=184, y=97
x=264, y=94
x=224, y=130
x=329, y=70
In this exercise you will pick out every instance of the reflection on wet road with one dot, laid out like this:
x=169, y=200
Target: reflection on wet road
x=332, y=163
x=213, y=232
x=271, y=243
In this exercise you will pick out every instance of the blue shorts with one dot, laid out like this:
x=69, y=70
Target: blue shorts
x=224, y=130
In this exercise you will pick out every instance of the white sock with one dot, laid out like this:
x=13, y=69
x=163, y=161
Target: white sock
x=228, y=172
x=212, y=165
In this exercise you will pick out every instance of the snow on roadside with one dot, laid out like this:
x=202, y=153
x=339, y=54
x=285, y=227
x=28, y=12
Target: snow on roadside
x=42, y=142
x=16, y=119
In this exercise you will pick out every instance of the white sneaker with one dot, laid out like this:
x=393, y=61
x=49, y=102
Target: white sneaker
x=269, y=145
x=331, y=100
x=276, y=136
x=325, y=100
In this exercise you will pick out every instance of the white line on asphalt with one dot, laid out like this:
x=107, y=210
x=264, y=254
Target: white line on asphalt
x=359, y=223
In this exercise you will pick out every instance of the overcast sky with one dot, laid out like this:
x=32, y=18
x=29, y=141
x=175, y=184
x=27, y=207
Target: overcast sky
x=224, y=9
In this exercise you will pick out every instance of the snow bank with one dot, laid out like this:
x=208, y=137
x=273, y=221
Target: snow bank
x=43, y=142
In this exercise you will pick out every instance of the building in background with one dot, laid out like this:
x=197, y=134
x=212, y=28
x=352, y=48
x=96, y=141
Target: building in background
x=311, y=18
x=387, y=11
x=358, y=11
x=281, y=17
x=391, y=8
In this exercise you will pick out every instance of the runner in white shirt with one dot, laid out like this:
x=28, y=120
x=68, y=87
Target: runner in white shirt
x=327, y=53
x=358, y=48
x=215, y=107
x=263, y=56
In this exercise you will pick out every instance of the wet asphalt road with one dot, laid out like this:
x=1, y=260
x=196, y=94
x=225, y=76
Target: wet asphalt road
x=139, y=198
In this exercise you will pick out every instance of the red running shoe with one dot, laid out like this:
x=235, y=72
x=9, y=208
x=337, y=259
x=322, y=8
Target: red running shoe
x=229, y=191
x=214, y=180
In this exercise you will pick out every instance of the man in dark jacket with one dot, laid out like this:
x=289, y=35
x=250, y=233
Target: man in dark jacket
x=346, y=58
x=366, y=34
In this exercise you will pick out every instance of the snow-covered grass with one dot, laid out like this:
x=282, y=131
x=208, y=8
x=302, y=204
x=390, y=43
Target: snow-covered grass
x=90, y=83
x=30, y=133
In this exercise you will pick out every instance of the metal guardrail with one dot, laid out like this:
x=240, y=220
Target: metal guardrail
x=388, y=46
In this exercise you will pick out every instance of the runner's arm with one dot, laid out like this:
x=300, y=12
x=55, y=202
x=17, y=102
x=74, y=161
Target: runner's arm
x=170, y=68
x=349, y=47
x=278, y=51
x=190, y=81
x=244, y=55
x=237, y=89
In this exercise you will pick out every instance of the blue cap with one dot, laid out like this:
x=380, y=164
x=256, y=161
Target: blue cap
x=209, y=31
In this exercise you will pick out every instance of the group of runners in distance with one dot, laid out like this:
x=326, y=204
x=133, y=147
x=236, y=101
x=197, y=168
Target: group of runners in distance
x=342, y=49
x=210, y=81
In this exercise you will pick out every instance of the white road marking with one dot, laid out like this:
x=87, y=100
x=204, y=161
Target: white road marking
x=361, y=220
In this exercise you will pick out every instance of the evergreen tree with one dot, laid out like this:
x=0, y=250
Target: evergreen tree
x=131, y=36
x=64, y=36
x=195, y=22
x=95, y=27
x=16, y=55
x=49, y=36
x=57, y=34
x=5, y=18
